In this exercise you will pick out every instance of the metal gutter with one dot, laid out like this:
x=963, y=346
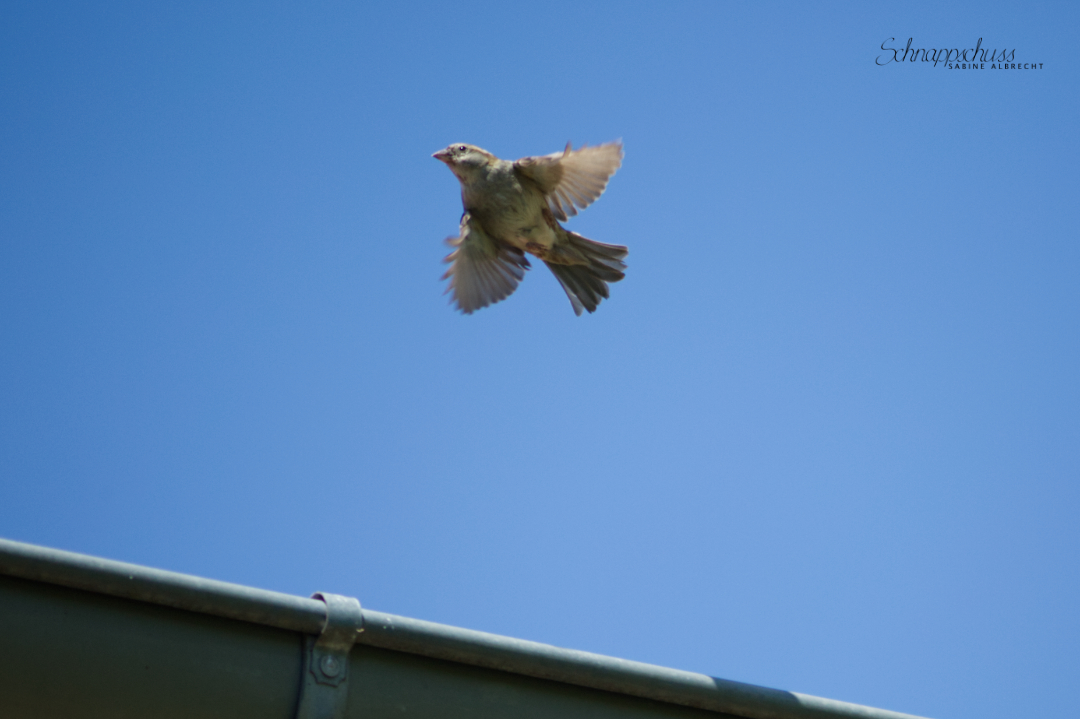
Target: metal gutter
x=597, y=671
x=419, y=638
x=156, y=586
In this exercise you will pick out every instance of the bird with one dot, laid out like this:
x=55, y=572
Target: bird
x=514, y=208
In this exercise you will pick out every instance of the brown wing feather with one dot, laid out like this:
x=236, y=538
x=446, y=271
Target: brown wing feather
x=572, y=179
x=482, y=271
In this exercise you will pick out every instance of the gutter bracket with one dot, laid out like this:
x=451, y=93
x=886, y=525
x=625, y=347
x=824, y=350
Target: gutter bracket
x=324, y=687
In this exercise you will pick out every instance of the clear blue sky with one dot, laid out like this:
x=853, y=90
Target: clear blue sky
x=824, y=437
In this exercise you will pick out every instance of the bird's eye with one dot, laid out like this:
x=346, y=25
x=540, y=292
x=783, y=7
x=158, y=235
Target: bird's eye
x=461, y=148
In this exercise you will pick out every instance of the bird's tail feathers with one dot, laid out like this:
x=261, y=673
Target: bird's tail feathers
x=594, y=264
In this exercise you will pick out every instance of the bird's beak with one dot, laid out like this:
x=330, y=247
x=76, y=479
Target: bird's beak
x=442, y=155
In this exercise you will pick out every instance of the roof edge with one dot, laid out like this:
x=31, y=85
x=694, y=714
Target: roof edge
x=414, y=636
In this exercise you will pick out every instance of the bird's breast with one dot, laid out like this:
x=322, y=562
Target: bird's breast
x=513, y=213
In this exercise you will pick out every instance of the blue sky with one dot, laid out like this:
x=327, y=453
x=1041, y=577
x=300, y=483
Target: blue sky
x=825, y=436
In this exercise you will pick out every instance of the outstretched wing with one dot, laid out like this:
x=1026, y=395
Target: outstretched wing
x=482, y=271
x=572, y=179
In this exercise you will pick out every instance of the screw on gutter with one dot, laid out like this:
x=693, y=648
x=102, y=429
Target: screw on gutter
x=330, y=666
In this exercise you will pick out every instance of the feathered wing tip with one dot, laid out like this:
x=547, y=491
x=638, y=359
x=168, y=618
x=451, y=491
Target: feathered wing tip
x=586, y=284
x=585, y=175
x=482, y=271
x=572, y=179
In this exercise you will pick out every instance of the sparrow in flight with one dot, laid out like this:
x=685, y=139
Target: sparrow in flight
x=514, y=207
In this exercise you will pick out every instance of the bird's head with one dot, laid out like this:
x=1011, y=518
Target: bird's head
x=463, y=159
